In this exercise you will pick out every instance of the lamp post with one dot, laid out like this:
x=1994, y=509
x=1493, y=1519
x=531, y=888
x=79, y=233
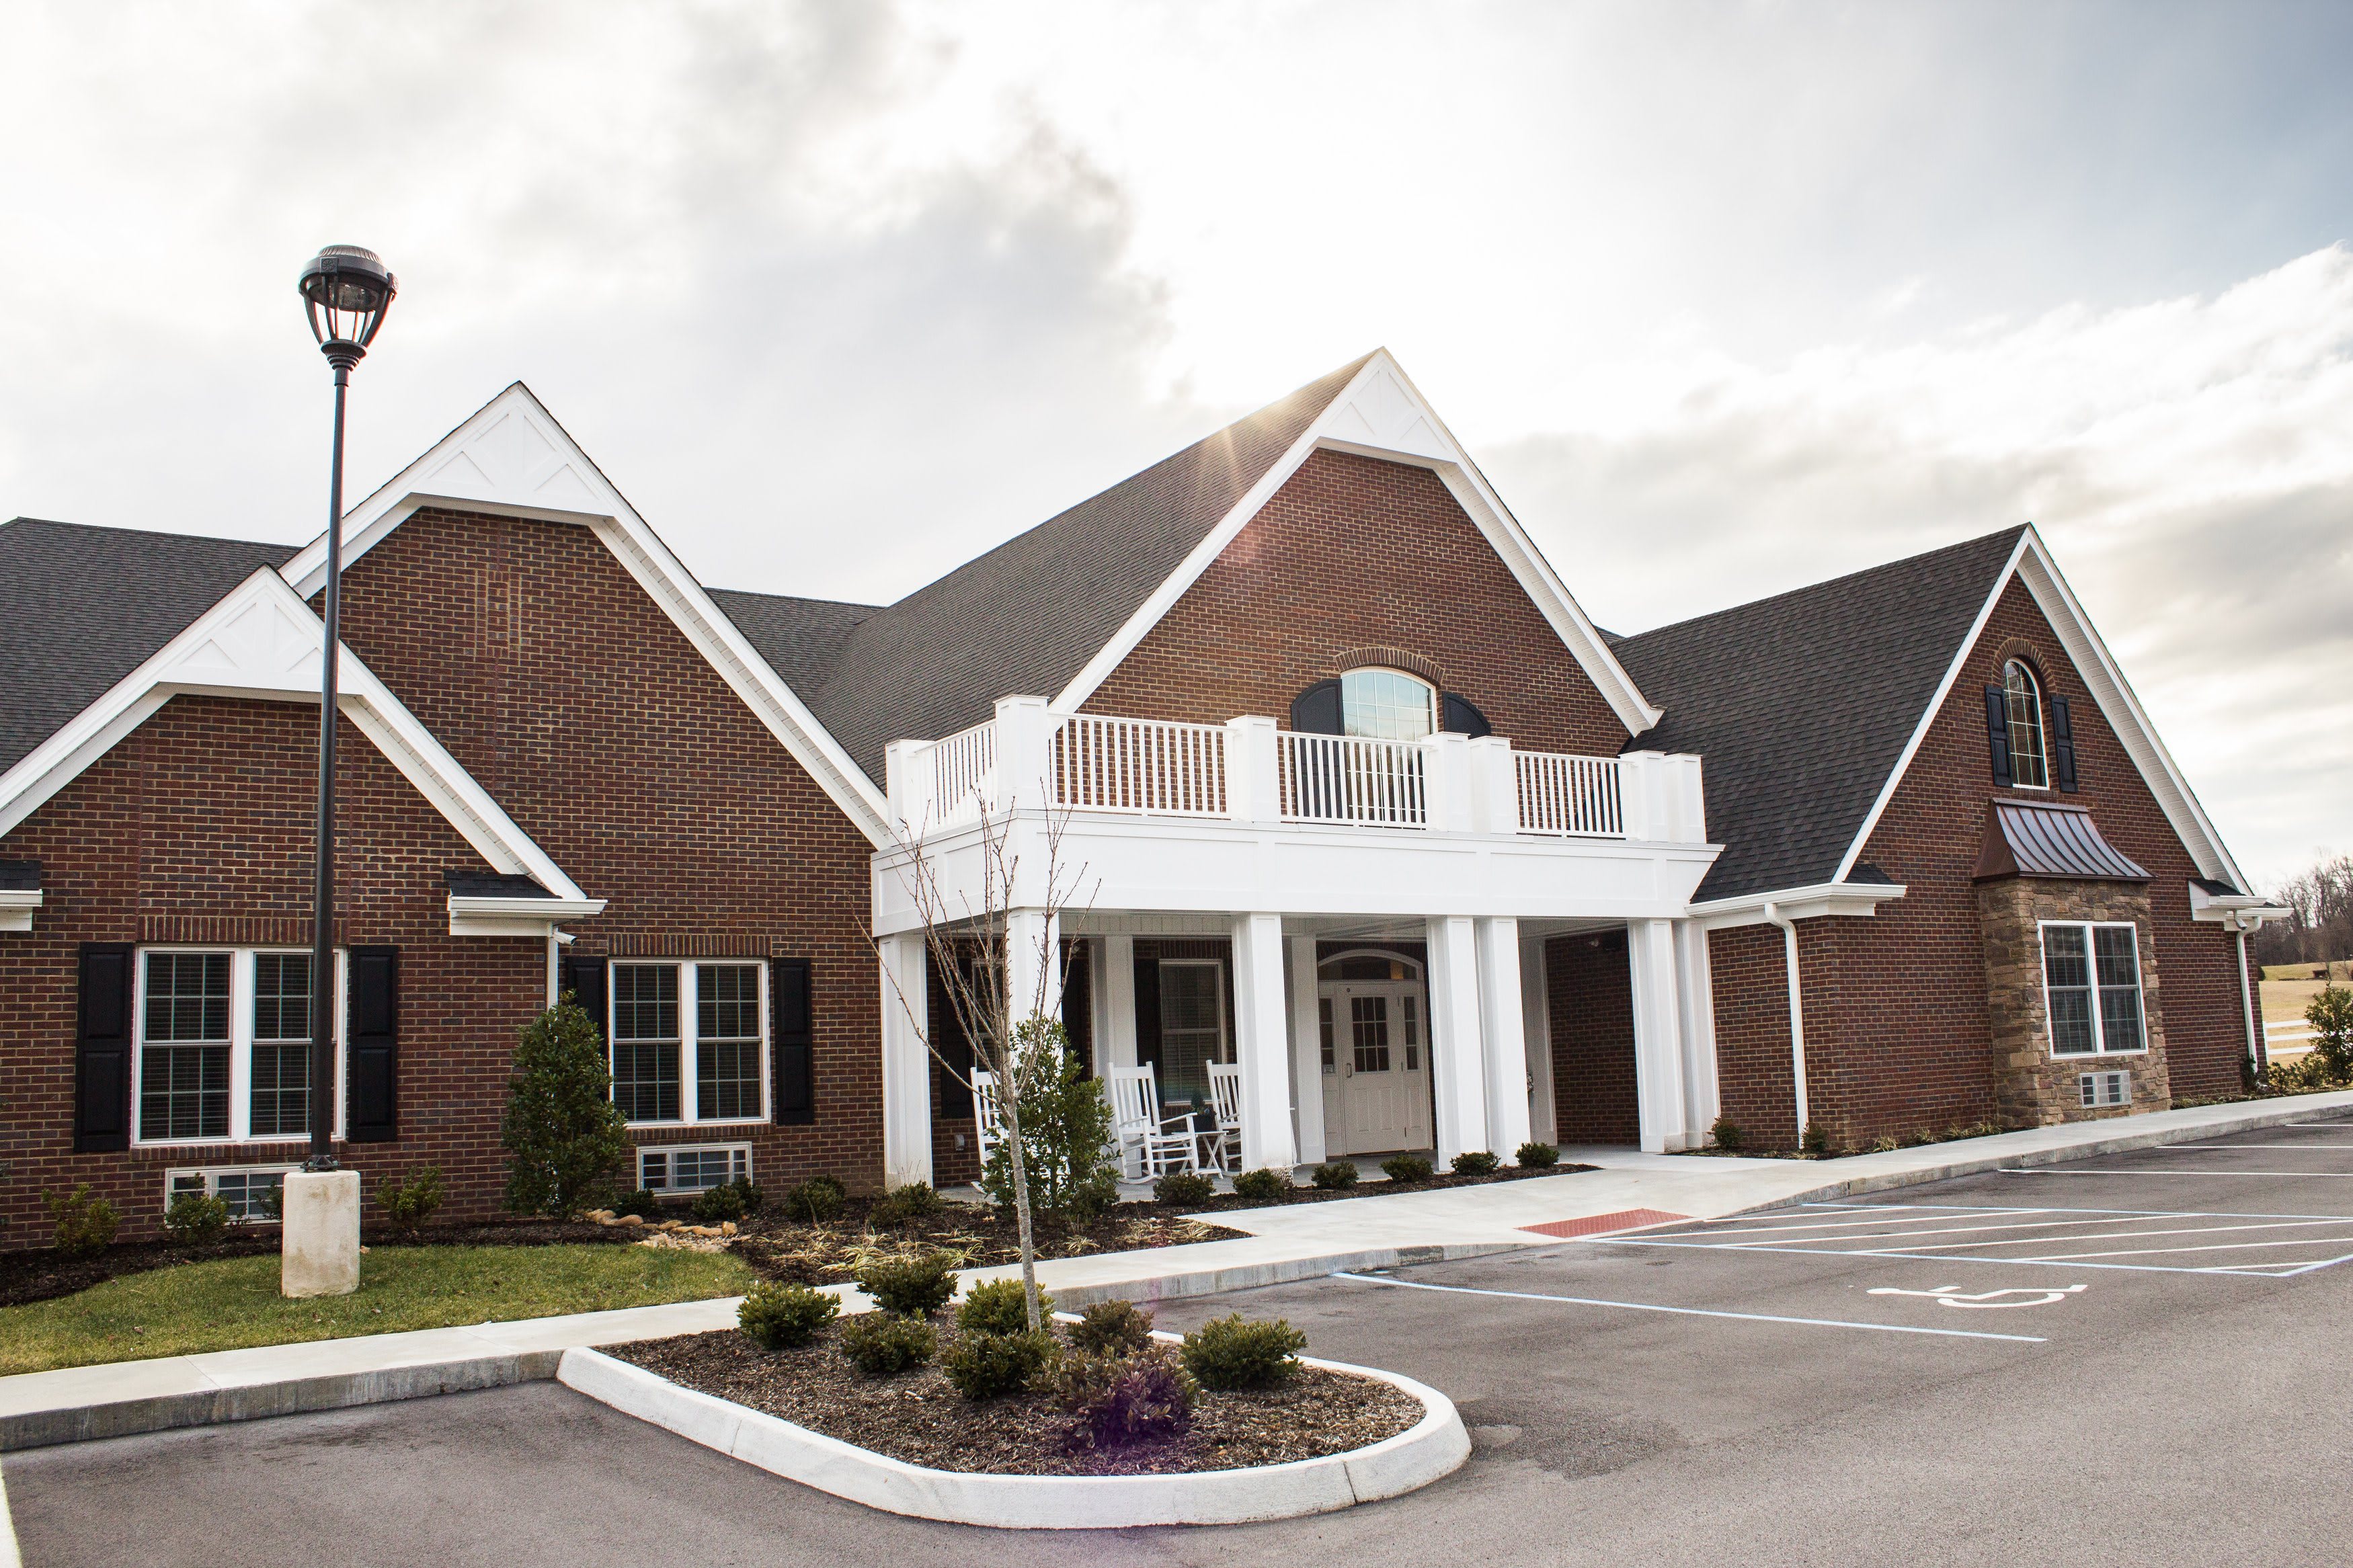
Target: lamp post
x=346, y=291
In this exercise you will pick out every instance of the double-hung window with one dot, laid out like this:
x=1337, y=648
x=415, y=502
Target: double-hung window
x=2091, y=987
x=224, y=1045
x=690, y=1041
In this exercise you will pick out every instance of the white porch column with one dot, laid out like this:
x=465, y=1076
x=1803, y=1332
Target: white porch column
x=1306, y=1053
x=1535, y=1004
x=1117, y=1041
x=1696, y=994
x=906, y=1062
x=1504, y=1028
x=1457, y=1061
x=1033, y=964
x=1260, y=1042
x=1658, y=1035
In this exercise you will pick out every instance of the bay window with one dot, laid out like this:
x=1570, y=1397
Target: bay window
x=2091, y=985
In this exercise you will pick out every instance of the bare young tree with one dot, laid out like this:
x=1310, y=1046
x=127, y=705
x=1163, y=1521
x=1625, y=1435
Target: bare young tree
x=972, y=944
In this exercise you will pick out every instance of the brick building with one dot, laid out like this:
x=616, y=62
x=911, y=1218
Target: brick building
x=1370, y=811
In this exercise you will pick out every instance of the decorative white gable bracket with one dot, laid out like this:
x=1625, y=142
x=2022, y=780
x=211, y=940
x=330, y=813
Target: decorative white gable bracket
x=262, y=640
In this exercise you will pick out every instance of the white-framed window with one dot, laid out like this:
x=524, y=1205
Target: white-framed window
x=2091, y=988
x=690, y=1040
x=224, y=1045
x=1387, y=705
x=675, y=1169
x=251, y=1192
x=2030, y=765
x=1192, y=1025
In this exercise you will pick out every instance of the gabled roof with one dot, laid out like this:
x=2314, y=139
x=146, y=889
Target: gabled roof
x=802, y=640
x=1802, y=706
x=86, y=606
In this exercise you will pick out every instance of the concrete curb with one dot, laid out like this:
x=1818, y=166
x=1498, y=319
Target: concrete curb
x=1434, y=1446
x=1241, y=1277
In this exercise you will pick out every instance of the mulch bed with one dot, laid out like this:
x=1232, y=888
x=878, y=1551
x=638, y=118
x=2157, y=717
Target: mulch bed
x=918, y=1415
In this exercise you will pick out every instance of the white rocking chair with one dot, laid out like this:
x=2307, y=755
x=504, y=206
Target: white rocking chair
x=1226, y=1096
x=984, y=1112
x=1149, y=1145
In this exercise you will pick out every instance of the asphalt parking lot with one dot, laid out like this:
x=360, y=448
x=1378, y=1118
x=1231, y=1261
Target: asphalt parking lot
x=2129, y=1359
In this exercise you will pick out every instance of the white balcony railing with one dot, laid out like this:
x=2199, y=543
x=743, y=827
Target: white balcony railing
x=962, y=780
x=1566, y=797
x=1146, y=766
x=1352, y=779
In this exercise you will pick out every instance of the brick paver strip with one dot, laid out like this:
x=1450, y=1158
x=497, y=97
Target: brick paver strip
x=1597, y=1223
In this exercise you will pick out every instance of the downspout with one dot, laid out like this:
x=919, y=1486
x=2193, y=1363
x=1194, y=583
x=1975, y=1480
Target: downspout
x=2257, y=1041
x=1774, y=916
x=557, y=940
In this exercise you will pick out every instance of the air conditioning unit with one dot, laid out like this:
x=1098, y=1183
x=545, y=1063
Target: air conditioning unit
x=2106, y=1089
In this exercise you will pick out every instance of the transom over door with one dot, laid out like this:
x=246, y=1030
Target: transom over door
x=1376, y=1054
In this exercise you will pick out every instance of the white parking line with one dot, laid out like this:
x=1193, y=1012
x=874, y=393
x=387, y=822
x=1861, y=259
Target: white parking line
x=1693, y=1311
x=2267, y=1148
x=2144, y=1171
x=2254, y=1270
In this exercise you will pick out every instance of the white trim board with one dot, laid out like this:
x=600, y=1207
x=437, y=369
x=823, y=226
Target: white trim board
x=1380, y=414
x=262, y=640
x=511, y=458
x=2031, y=562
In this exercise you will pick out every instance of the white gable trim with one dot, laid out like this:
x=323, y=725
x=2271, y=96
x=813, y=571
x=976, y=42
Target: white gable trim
x=2031, y=562
x=513, y=459
x=1380, y=414
x=262, y=640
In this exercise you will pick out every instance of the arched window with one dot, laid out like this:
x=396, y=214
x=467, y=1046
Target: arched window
x=1387, y=704
x=2029, y=767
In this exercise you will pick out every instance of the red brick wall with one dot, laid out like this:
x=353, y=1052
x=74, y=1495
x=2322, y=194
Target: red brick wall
x=196, y=829
x=544, y=668
x=1755, y=1080
x=1352, y=554
x=1591, y=990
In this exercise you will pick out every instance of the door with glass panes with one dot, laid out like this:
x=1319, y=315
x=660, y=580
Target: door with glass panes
x=1376, y=1058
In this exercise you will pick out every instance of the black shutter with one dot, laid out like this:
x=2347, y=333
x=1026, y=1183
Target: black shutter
x=1077, y=1001
x=795, y=1040
x=1147, y=1008
x=1998, y=734
x=102, y=1049
x=1460, y=716
x=584, y=978
x=951, y=1049
x=1316, y=710
x=2062, y=745
x=372, y=1056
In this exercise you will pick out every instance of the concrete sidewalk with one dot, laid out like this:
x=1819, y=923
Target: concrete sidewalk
x=1285, y=1243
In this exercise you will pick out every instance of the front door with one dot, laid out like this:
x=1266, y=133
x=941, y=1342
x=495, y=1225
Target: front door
x=1375, y=1061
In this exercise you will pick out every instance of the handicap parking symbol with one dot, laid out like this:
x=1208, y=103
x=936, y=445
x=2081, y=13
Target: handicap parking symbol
x=1953, y=1296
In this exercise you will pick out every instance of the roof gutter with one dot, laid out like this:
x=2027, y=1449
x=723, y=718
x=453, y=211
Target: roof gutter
x=516, y=917
x=1796, y=903
x=17, y=907
x=1773, y=915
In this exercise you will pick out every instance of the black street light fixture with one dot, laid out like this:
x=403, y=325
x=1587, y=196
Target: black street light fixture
x=347, y=291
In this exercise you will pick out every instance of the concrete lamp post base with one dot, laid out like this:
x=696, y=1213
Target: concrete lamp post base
x=319, y=1240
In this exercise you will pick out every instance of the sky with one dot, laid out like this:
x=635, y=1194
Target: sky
x=1725, y=297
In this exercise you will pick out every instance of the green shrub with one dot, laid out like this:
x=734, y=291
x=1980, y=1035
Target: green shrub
x=1231, y=1352
x=1534, y=1156
x=1066, y=1134
x=84, y=1224
x=1815, y=1143
x=196, y=1219
x=817, y=1200
x=1404, y=1168
x=1267, y=1186
x=1110, y=1327
x=987, y=1366
x=1475, y=1162
x=1727, y=1135
x=728, y=1200
x=2331, y=1013
x=1334, y=1176
x=882, y=1344
x=2305, y=1075
x=409, y=1202
x=778, y=1317
x=911, y=1286
x=997, y=1308
x=641, y=1202
x=903, y=1205
x=566, y=1142
x=1118, y=1400
x=1186, y=1189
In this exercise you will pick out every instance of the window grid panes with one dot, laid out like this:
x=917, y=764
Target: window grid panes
x=646, y=1041
x=183, y=1063
x=1409, y=1005
x=1368, y=1019
x=1386, y=704
x=2027, y=765
x=693, y=1170
x=2091, y=976
x=727, y=1041
x=1323, y=1029
x=249, y=1194
x=281, y=1045
x=1192, y=1026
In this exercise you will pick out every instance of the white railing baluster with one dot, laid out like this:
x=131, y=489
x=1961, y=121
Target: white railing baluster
x=1352, y=780
x=1144, y=766
x=1568, y=796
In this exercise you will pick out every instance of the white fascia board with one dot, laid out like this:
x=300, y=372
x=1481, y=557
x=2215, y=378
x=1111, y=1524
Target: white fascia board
x=511, y=458
x=2237, y=911
x=516, y=917
x=262, y=640
x=17, y=907
x=1381, y=413
x=1812, y=902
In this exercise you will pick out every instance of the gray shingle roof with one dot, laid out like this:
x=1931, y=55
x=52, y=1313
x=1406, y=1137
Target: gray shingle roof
x=492, y=885
x=1028, y=616
x=1800, y=704
x=86, y=606
x=802, y=640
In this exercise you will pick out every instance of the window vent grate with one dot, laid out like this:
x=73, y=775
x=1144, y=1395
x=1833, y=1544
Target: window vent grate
x=2103, y=1089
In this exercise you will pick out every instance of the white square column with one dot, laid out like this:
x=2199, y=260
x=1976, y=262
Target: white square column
x=1033, y=965
x=906, y=1061
x=1658, y=1037
x=1262, y=1043
x=1536, y=1013
x=1306, y=1052
x=1501, y=1020
x=1458, y=1068
x=1115, y=1047
x=1696, y=989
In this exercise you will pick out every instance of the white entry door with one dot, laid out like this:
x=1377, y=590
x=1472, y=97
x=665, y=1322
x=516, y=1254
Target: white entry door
x=1376, y=1053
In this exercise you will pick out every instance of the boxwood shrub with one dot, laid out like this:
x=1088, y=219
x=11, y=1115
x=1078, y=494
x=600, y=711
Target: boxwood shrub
x=1233, y=1353
x=989, y=1366
x=1533, y=1156
x=882, y=1344
x=1189, y=1188
x=1111, y=1326
x=1475, y=1162
x=778, y=1317
x=912, y=1286
x=1335, y=1176
x=997, y=1308
x=1266, y=1186
x=1408, y=1168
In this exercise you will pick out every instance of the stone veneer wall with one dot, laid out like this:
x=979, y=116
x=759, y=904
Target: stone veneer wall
x=2032, y=1087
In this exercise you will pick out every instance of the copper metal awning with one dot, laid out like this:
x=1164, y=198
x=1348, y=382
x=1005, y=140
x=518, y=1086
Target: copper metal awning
x=2047, y=839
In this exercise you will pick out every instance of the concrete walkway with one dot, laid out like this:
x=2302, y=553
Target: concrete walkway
x=1287, y=1242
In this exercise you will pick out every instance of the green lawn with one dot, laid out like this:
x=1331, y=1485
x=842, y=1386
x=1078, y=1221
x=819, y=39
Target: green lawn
x=232, y=1302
